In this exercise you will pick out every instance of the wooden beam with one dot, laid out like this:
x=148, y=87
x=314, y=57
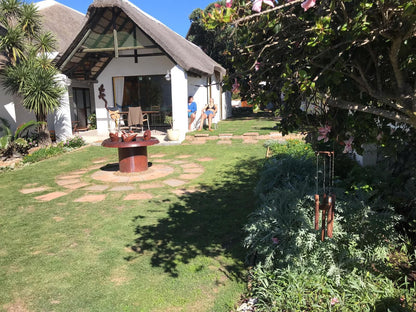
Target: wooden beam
x=86, y=50
x=75, y=49
x=115, y=43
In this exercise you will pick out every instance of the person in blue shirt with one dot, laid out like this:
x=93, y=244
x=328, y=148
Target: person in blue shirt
x=191, y=111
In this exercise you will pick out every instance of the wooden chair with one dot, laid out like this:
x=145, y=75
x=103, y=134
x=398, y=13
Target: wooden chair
x=136, y=119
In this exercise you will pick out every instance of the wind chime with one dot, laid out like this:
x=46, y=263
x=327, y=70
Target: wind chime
x=325, y=203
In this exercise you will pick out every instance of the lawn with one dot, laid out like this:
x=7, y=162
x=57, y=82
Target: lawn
x=171, y=252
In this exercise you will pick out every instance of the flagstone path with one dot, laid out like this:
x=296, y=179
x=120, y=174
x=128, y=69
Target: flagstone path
x=102, y=178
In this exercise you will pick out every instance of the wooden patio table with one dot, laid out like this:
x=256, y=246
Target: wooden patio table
x=132, y=156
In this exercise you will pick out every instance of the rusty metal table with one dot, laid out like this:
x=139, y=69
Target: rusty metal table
x=132, y=156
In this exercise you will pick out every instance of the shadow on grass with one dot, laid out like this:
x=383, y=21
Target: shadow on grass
x=207, y=222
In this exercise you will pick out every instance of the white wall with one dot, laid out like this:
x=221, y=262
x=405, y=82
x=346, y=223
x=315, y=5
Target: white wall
x=7, y=110
x=158, y=65
x=179, y=86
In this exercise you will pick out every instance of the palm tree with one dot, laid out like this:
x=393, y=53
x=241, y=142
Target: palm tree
x=29, y=72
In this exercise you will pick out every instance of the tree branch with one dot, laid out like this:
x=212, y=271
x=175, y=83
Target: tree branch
x=395, y=116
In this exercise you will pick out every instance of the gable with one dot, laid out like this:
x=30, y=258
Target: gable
x=119, y=29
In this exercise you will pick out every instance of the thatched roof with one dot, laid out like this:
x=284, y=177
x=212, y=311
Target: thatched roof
x=64, y=22
x=137, y=34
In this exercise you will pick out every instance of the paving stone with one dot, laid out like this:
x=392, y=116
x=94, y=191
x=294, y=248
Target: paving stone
x=82, y=171
x=276, y=134
x=183, y=156
x=250, y=141
x=212, y=138
x=34, y=190
x=90, y=198
x=190, y=165
x=50, y=196
x=30, y=185
x=174, y=182
x=182, y=191
x=138, y=196
x=122, y=188
x=70, y=177
x=204, y=159
x=189, y=176
x=67, y=182
x=97, y=188
x=178, y=162
x=251, y=134
x=201, y=135
x=162, y=161
x=225, y=135
x=194, y=170
x=151, y=186
x=76, y=186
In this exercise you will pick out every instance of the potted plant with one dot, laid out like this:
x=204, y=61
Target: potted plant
x=171, y=134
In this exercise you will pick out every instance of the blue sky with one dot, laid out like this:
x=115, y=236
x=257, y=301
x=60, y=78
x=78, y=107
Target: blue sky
x=172, y=13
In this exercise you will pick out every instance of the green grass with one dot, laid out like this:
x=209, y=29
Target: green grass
x=169, y=253
x=239, y=126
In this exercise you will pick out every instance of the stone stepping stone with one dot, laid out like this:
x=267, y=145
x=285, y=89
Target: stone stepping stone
x=251, y=134
x=162, y=161
x=76, y=186
x=68, y=182
x=174, y=182
x=90, y=198
x=227, y=135
x=212, y=138
x=178, y=162
x=97, y=188
x=183, y=156
x=122, y=188
x=205, y=159
x=138, y=196
x=151, y=186
x=199, y=142
x=250, y=141
x=34, y=190
x=50, y=196
x=190, y=165
x=194, y=170
x=189, y=176
x=201, y=135
x=182, y=191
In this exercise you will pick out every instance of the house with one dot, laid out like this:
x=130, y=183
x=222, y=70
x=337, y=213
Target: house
x=139, y=62
x=64, y=23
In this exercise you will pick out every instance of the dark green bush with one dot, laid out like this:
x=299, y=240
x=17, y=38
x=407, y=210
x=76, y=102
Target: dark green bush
x=295, y=270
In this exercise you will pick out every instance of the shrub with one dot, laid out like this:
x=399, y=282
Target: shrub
x=48, y=152
x=295, y=270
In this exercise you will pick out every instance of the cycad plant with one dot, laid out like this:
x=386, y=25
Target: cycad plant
x=29, y=72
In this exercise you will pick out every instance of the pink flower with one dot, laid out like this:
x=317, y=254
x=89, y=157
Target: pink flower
x=334, y=301
x=379, y=136
x=323, y=133
x=275, y=240
x=257, y=66
x=236, y=85
x=217, y=5
x=257, y=4
x=348, y=145
x=228, y=3
x=308, y=4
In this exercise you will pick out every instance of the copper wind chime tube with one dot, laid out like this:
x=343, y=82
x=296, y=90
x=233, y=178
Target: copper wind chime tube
x=327, y=206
